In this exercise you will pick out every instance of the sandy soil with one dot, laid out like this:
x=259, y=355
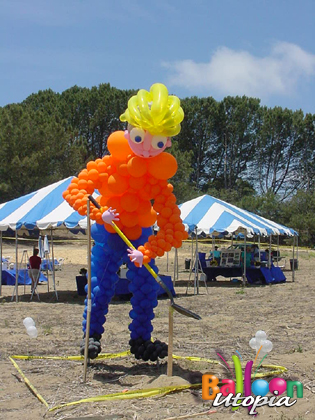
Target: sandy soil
x=230, y=317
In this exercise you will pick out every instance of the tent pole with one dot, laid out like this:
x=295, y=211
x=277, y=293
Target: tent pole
x=1, y=262
x=89, y=302
x=278, y=251
x=175, y=266
x=269, y=259
x=259, y=258
x=293, y=265
x=16, y=268
x=53, y=262
x=197, y=264
x=245, y=259
x=167, y=262
x=297, y=250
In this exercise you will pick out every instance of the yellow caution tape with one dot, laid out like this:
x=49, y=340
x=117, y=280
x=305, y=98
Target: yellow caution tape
x=99, y=357
x=140, y=393
x=28, y=384
x=196, y=359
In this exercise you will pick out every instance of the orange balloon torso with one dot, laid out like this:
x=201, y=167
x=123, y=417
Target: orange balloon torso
x=128, y=183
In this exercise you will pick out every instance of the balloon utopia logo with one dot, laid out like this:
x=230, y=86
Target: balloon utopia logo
x=232, y=391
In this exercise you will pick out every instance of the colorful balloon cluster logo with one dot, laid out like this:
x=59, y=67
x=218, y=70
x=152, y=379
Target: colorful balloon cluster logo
x=232, y=391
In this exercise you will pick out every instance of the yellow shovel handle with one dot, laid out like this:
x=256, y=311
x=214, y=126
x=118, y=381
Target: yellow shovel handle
x=126, y=240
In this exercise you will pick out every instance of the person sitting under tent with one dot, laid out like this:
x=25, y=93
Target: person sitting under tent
x=34, y=268
x=216, y=255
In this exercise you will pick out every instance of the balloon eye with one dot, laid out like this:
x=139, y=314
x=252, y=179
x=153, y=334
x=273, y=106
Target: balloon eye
x=137, y=135
x=158, y=142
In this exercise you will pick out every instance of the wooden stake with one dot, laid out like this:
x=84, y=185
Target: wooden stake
x=170, y=342
x=89, y=302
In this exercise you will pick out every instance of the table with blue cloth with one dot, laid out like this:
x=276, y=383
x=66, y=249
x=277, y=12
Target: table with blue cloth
x=254, y=274
x=8, y=277
x=48, y=265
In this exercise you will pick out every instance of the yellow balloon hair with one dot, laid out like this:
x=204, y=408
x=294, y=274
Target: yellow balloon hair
x=155, y=111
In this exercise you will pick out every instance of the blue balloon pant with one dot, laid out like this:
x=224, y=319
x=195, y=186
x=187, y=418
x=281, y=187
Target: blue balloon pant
x=108, y=253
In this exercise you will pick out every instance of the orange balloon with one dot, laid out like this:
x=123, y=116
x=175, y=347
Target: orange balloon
x=174, y=219
x=90, y=188
x=72, y=186
x=82, y=184
x=161, y=243
x=103, y=200
x=129, y=202
x=155, y=190
x=163, y=166
x=91, y=165
x=101, y=167
x=65, y=193
x=160, y=252
x=83, y=175
x=129, y=219
x=118, y=146
x=132, y=233
x=147, y=219
x=114, y=203
x=137, y=183
x=161, y=221
x=146, y=259
x=137, y=166
x=169, y=238
x=168, y=246
x=166, y=212
x=117, y=183
x=179, y=235
x=179, y=227
x=153, y=181
x=158, y=207
x=144, y=207
x=93, y=174
x=103, y=177
x=122, y=169
x=107, y=159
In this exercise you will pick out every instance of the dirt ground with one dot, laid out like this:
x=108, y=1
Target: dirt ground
x=230, y=317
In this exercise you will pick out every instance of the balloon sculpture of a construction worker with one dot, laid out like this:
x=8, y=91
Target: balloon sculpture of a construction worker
x=133, y=175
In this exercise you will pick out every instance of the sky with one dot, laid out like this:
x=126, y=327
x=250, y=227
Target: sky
x=259, y=48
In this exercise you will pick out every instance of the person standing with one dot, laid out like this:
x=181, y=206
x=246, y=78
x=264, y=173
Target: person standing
x=34, y=263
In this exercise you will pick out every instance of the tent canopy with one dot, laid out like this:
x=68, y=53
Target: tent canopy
x=212, y=216
x=42, y=209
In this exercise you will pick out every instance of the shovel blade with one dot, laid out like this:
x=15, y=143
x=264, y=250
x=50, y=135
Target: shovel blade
x=184, y=311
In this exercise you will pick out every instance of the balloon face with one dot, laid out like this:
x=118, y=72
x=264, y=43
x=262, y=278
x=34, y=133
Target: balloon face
x=144, y=144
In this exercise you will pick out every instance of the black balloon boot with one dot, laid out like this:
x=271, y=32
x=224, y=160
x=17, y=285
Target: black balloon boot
x=148, y=350
x=94, y=346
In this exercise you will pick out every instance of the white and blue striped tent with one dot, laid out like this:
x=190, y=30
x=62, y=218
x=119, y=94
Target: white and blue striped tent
x=42, y=209
x=212, y=216
x=46, y=209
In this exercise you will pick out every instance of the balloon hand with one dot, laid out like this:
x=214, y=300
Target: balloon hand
x=110, y=216
x=135, y=256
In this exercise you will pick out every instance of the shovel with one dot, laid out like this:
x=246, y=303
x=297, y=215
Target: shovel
x=174, y=305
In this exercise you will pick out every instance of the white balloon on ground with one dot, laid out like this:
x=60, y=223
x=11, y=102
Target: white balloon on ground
x=261, y=335
x=32, y=331
x=260, y=342
x=28, y=322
